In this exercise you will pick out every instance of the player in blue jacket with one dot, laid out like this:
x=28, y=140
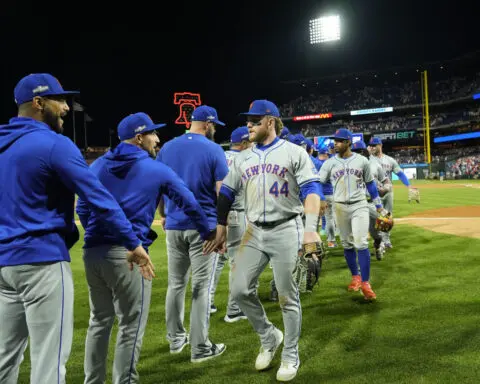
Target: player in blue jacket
x=40, y=173
x=137, y=182
x=202, y=165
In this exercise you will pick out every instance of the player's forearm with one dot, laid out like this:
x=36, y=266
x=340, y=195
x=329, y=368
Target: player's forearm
x=161, y=208
x=311, y=208
x=403, y=178
x=226, y=197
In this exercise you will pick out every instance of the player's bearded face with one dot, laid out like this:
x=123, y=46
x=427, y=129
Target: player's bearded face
x=341, y=146
x=210, y=132
x=375, y=150
x=257, y=128
x=54, y=109
x=149, y=142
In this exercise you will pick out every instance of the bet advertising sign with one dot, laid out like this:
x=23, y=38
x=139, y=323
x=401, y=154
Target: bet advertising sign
x=396, y=135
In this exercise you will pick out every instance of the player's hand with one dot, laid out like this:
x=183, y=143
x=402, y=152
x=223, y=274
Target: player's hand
x=323, y=207
x=210, y=246
x=162, y=223
x=140, y=257
x=311, y=237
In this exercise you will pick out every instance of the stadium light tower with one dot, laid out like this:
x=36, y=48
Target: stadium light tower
x=324, y=29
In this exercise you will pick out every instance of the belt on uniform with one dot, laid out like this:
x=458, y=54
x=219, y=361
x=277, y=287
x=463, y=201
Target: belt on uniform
x=272, y=224
x=348, y=202
x=237, y=210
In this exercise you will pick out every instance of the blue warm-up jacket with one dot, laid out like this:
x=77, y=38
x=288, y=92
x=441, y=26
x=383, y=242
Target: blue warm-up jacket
x=40, y=172
x=137, y=182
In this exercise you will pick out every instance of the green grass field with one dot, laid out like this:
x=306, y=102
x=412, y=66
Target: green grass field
x=424, y=327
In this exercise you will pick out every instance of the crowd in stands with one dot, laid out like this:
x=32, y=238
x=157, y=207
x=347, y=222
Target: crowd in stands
x=396, y=123
x=351, y=97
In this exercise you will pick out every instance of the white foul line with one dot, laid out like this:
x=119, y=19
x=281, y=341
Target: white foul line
x=434, y=218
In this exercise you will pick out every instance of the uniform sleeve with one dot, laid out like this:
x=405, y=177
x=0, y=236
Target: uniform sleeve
x=67, y=161
x=220, y=164
x=367, y=171
x=395, y=167
x=233, y=180
x=177, y=191
x=324, y=173
x=303, y=168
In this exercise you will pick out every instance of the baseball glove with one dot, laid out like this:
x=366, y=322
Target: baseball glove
x=384, y=222
x=414, y=194
x=312, y=258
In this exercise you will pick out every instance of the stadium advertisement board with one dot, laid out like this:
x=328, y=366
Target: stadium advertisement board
x=371, y=110
x=313, y=117
x=396, y=135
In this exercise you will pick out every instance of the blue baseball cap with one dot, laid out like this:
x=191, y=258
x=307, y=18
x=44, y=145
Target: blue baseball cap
x=342, y=134
x=38, y=84
x=239, y=134
x=375, y=141
x=322, y=150
x=262, y=108
x=360, y=144
x=309, y=144
x=331, y=145
x=134, y=124
x=298, y=139
x=206, y=113
x=284, y=134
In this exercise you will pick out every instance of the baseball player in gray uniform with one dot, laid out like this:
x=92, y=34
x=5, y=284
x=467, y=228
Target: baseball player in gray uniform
x=349, y=173
x=272, y=174
x=382, y=183
x=235, y=229
x=390, y=166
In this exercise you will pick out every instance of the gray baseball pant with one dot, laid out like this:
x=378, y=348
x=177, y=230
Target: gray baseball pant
x=280, y=245
x=330, y=219
x=235, y=231
x=36, y=302
x=114, y=291
x=185, y=253
x=387, y=202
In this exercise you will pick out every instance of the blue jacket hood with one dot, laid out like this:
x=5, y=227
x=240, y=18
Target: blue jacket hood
x=121, y=159
x=18, y=127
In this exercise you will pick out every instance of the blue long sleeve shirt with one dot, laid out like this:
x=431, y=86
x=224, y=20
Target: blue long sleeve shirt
x=137, y=182
x=40, y=173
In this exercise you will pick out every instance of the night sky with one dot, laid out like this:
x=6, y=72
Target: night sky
x=131, y=59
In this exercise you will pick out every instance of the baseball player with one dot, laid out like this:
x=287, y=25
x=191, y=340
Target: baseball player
x=203, y=171
x=349, y=173
x=137, y=182
x=390, y=166
x=310, y=148
x=328, y=193
x=284, y=133
x=383, y=183
x=235, y=229
x=41, y=171
x=272, y=173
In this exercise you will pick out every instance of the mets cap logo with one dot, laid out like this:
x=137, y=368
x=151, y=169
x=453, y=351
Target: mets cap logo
x=338, y=132
x=140, y=129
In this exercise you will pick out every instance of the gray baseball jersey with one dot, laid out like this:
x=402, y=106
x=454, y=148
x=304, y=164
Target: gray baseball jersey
x=389, y=165
x=347, y=177
x=271, y=180
x=239, y=203
x=378, y=173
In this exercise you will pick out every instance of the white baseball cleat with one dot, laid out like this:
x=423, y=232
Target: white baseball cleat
x=287, y=371
x=215, y=351
x=265, y=356
x=179, y=349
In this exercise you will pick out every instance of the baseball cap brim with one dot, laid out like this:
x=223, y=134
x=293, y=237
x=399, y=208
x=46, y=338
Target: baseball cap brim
x=219, y=122
x=153, y=127
x=64, y=93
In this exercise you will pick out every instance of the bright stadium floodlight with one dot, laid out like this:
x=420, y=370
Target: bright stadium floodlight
x=323, y=29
